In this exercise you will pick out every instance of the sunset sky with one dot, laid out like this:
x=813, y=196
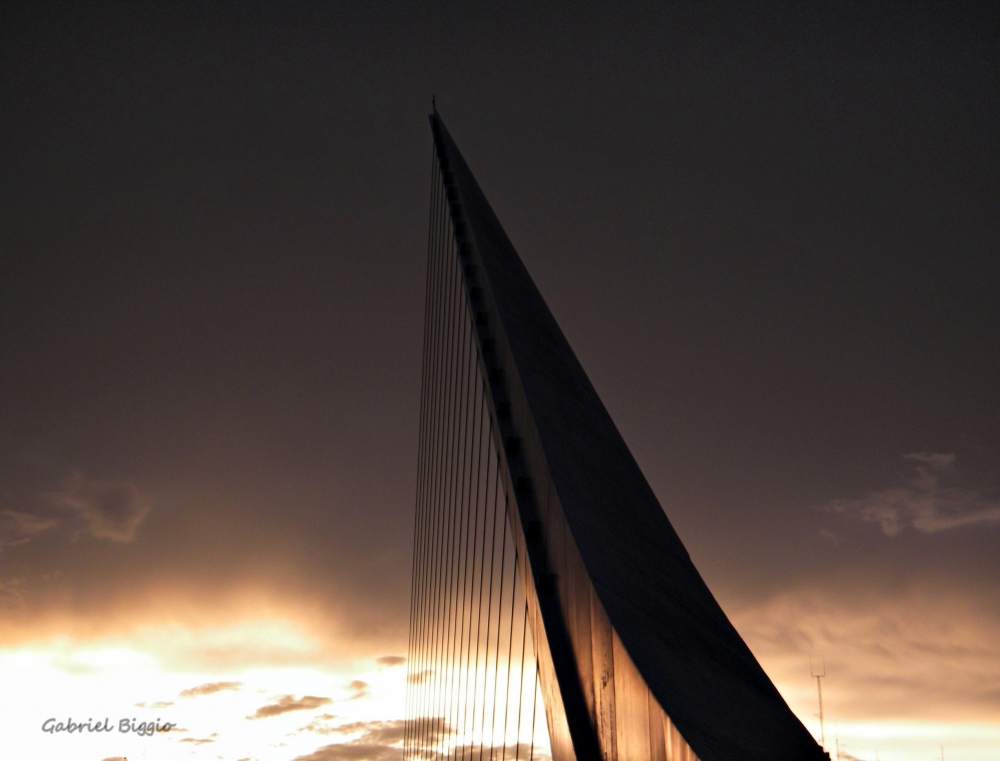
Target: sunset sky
x=769, y=234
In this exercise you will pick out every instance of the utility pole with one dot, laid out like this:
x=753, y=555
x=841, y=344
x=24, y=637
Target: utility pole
x=818, y=676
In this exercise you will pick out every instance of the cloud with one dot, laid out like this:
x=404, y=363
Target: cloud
x=159, y=704
x=926, y=504
x=19, y=528
x=377, y=741
x=432, y=730
x=209, y=688
x=923, y=653
x=360, y=689
x=365, y=751
x=420, y=677
x=245, y=641
x=519, y=750
x=384, y=732
x=831, y=537
x=354, y=752
x=360, y=750
x=11, y=593
x=320, y=725
x=197, y=741
x=110, y=509
x=391, y=660
x=388, y=732
x=288, y=703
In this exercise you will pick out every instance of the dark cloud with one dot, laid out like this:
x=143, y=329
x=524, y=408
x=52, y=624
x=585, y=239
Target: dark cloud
x=927, y=504
x=354, y=752
x=420, y=677
x=359, y=688
x=391, y=660
x=386, y=732
x=287, y=703
x=210, y=688
x=110, y=509
x=378, y=732
x=432, y=730
x=376, y=741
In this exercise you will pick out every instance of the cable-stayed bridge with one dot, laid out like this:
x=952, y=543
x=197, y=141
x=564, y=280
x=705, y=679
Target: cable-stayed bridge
x=554, y=611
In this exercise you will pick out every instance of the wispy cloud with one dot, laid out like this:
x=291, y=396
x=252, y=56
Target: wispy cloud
x=391, y=660
x=321, y=725
x=927, y=504
x=19, y=528
x=922, y=653
x=110, y=509
x=287, y=703
x=209, y=689
x=11, y=593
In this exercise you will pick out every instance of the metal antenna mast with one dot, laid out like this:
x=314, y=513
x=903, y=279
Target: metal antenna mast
x=818, y=676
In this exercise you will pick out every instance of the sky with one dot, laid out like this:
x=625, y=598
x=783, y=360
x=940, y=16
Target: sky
x=769, y=233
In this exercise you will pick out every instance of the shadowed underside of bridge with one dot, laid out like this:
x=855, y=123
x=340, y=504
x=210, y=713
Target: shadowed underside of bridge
x=554, y=610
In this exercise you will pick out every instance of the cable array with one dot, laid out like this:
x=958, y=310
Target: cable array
x=472, y=679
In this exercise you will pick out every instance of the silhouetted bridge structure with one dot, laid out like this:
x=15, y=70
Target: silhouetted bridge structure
x=554, y=610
